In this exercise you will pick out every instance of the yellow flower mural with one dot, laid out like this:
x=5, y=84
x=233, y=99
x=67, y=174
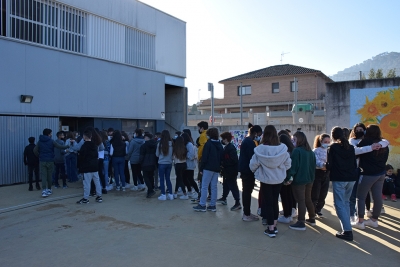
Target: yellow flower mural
x=384, y=110
x=369, y=111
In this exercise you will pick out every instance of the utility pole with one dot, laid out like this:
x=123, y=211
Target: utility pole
x=241, y=105
x=211, y=89
x=283, y=53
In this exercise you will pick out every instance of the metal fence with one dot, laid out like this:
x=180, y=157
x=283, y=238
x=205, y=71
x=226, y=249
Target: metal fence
x=16, y=131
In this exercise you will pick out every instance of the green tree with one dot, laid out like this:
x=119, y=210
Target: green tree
x=379, y=74
x=391, y=73
x=363, y=77
x=371, y=74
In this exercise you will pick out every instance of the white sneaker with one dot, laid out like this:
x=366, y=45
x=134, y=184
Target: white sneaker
x=141, y=187
x=109, y=187
x=118, y=188
x=371, y=223
x=162, y=197
x=294, y=212
x=184, y=197
x=175, y=196
x=383, y=210
x=194, y=195
x=128, y=185
x=123, y=188
x=49, y=192
x=180, y=193
x=134, y=188
x=369, y=214
x=283, y=219
x=353, y=219
x=44, y=193
x=170, y=197
x=359, y=225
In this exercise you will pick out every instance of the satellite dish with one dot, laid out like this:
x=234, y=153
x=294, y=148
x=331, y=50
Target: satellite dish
x=301, y=120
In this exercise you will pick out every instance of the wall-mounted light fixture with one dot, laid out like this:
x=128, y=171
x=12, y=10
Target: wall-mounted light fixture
x=26, y=99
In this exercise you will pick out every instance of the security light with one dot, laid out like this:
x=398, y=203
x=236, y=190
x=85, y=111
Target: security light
x=26, y=99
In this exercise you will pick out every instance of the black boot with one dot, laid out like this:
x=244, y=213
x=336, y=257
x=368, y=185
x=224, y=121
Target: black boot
x=345, y=235
x=30, y=187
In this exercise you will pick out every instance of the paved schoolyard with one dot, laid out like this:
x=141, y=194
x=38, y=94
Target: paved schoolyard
x=129, y=230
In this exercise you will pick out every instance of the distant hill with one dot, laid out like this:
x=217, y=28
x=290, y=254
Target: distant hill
x=384, y=61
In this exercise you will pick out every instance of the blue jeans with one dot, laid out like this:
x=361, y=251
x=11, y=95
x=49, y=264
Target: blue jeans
x=119, y=168
x=341, y=198
x=71, y=161
x=209, y=177
x=105, y=164
x=164, y=171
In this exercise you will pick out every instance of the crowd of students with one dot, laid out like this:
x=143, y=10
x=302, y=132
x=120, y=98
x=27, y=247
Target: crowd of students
x=285, y=165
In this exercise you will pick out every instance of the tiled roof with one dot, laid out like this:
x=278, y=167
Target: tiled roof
x=273, y=71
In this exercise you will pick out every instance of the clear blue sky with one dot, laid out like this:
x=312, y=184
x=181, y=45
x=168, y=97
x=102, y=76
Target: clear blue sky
x=226, y=38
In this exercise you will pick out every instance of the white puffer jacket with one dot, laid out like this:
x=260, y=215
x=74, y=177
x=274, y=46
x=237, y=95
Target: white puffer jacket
x=269, y=163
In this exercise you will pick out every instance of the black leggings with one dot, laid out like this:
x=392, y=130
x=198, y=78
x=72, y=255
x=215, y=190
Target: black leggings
x=248, y=186
x=288, y=201
x=179, y=169
x=189, y=177
x=270, y=206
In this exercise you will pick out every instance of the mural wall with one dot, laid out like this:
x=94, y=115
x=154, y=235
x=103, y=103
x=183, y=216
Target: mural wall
x=379, y=106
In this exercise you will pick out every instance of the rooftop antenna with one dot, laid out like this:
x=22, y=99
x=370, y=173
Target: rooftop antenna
x=283, y=53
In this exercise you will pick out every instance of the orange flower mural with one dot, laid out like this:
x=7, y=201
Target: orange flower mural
x=384, y=110
x=370, y=110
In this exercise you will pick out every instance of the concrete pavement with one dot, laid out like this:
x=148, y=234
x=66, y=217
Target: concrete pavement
x=129, y=230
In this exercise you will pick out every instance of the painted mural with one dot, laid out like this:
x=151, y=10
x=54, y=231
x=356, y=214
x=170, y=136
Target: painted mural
x=238, y=136
x=379, y=106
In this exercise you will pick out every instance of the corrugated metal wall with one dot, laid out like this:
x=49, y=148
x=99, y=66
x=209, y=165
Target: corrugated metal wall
x=15, y=133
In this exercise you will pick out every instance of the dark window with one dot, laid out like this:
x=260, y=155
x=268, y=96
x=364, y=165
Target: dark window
x=3, y=17
x=275, y=88
x=292, y=89
x=246, y=90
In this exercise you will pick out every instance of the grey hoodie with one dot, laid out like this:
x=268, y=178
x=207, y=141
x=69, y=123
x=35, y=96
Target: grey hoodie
x=269, y=163
x=134, y=150
x=164, y=159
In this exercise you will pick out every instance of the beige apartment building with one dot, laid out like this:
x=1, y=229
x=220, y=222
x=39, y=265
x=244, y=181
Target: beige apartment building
x=268, y=97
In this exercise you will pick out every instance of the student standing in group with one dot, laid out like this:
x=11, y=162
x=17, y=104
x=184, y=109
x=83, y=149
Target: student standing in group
x=59, y=162
x=164, y=154
x=190, y=164
x=269, y=164
x=179, y=156
x=288, y=202
x=89, y=165
x=209, y=169
x=372, y=177
x=32, y=161
x=105, y=183
x=248, y=180
x=118, y=152
x=341, y=162
x=133, y=155
x=229, y=171
x=44, y=149
x=202, y=128
x=148, y=162
x=357, y=134
x=125, y=138
x=303, y=173
x=156, y=178
x=321, y=183
x=71, y=157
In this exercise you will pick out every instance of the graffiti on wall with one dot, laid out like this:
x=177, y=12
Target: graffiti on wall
x=238, y=136
x=379, y=106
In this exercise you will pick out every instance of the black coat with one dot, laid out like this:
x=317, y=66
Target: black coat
x=147, y=157
x=229, y=162
x=88, y=157
x=29, y=157
x=212, y=156
x=246, y=153
x=373, y=163
x=342, y=163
